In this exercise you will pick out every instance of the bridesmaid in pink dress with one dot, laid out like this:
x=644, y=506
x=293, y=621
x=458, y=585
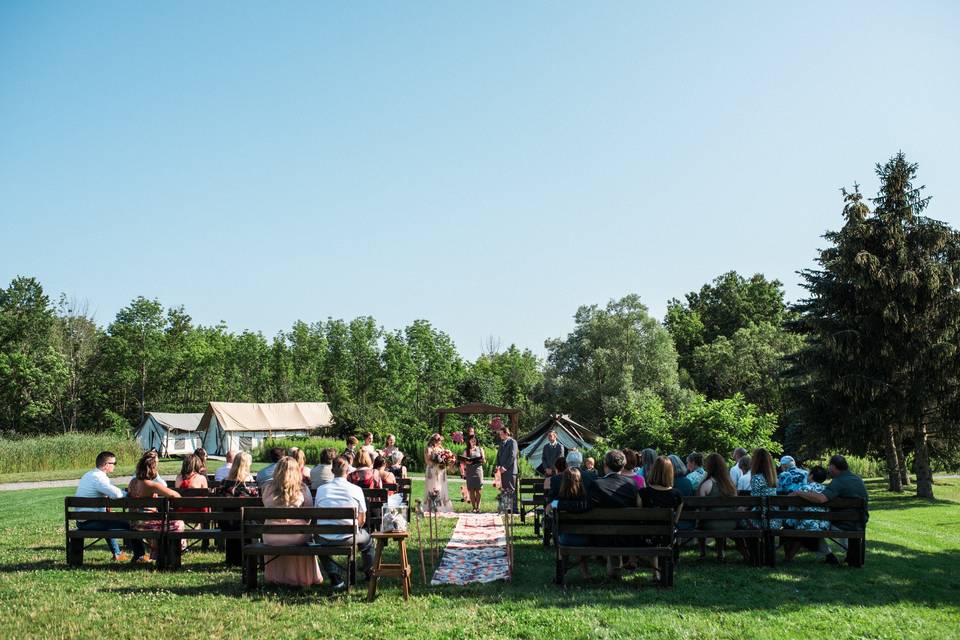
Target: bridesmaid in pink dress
x=287, y=490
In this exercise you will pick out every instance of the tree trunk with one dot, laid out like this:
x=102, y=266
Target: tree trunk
x=922, y=459
x=902, y=460
x=893, y=466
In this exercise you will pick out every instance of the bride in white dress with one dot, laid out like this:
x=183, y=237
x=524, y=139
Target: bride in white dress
x=436, y=483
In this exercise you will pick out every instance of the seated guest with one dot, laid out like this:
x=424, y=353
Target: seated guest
x=297, y=454
x=201, y=454
x=647, y=458
x=341, y=493
x=352, y=443
x=613, y=489
x=814, y=484
x=266, y=474
x=589, y=469
x=716, y=484
x=235, y=486
x=191, y=473
x=659, y=491
x=96, y=484
x=695, y=470
x=735, y=470
x=744, y=464
x=394, y=457
x=791, y=477
x=323, y=472
x=385, y=475
x=680, y=481
x=147, y=484
x=763, y=483
x=572, y=498
x=364, y=476
x=286, y=489
x=238, y=475
x=844, y=484
x=222, y=472
x=551, y=484
x=630, y=468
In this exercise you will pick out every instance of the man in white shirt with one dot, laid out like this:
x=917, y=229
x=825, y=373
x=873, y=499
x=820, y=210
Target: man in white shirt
x=735, y=470
x=743, y=483
x=96, y=484
x=224, y=471
x=338, y=493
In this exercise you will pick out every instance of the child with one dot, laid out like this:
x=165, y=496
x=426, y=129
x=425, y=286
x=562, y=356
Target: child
x=588, y=466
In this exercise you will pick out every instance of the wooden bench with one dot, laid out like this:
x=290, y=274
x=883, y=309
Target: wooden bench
x=204, y=525
x=129, y=510
x=253, y=526
x=731, y=510
x=531, y=494
x=850, y=511
x=619, y=532
x=375, y=499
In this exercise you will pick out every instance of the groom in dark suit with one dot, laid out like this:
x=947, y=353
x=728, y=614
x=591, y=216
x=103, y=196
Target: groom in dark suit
x=507, y=464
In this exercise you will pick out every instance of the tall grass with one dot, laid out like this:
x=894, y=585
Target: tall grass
x=64, y=452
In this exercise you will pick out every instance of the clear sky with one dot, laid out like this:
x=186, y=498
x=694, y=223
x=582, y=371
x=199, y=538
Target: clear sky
x=486, y=166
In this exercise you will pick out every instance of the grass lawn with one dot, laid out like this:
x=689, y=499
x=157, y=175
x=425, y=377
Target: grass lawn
x=909, y=588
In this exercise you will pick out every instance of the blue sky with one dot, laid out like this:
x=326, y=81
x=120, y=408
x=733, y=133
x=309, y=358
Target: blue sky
x=486, y=166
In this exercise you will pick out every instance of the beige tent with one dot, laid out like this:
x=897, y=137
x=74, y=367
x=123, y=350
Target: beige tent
x=245, y=425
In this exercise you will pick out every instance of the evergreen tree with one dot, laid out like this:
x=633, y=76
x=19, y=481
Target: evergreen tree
x=882, y=324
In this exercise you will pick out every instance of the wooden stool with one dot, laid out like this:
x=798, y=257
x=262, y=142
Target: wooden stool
x=381, y=570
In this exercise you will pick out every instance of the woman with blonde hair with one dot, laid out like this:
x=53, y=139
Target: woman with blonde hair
x=286, y=490
x=297, y=454
x=236, y=481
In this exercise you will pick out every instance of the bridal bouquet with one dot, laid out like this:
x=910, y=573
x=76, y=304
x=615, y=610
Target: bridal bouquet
x=444, y=457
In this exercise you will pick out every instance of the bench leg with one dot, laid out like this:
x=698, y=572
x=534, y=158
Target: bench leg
x=665, y=567
x=770, y=549
x=250, y=567
x=558, y=579
x=536, y=523
x=173, y=555
x=75, y=552
x=855, y=548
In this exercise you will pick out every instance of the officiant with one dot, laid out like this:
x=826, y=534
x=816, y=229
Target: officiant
x=473, y=460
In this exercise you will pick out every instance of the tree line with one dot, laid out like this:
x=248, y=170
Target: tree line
x=867, y=362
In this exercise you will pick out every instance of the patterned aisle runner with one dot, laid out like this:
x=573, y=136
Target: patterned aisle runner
x=477, y=551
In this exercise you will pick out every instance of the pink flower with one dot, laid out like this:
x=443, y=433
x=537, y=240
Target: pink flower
x=457, y=437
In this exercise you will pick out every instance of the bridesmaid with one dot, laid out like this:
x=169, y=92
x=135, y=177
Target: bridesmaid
x=473, y=471
x=436, y=469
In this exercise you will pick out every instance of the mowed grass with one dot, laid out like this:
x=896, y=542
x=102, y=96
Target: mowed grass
x=910, y=588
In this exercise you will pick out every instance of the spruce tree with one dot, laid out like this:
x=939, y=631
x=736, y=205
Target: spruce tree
x=880, y=366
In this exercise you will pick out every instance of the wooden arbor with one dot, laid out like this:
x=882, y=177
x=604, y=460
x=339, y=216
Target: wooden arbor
x=479, y=408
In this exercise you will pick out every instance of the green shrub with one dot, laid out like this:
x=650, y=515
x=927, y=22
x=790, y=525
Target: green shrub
x=69, y=451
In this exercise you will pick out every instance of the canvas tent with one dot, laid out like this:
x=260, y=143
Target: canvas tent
x=171, y=434
x=570, y=434
x=245, y=425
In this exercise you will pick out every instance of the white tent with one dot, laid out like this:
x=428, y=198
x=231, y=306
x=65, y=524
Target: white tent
x=242, y=426
x=172, y=434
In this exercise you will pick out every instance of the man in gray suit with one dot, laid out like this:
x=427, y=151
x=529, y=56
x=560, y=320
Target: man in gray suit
x=507, y=464
x=549, y=454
